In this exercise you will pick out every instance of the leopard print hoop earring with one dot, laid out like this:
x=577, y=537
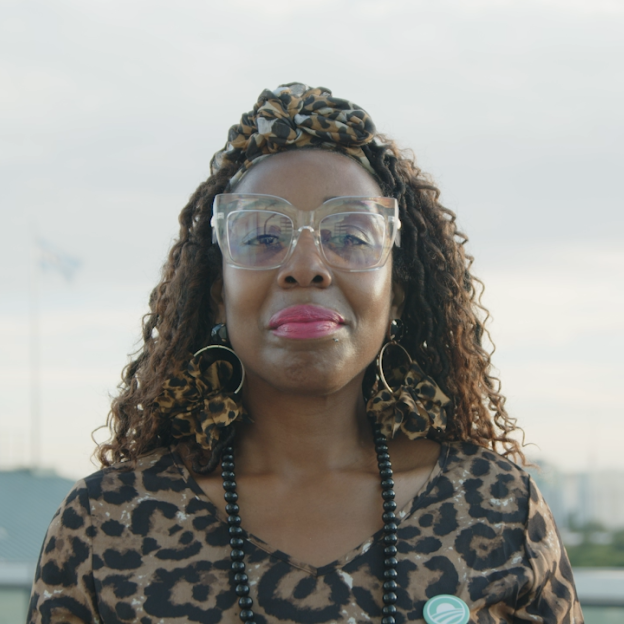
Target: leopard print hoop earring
x=406, y=398
x=203, y=399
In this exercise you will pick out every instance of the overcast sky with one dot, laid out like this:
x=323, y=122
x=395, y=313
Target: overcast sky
x=110, y=112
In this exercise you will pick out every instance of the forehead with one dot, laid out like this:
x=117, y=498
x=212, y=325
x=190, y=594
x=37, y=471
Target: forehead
x=306, y=178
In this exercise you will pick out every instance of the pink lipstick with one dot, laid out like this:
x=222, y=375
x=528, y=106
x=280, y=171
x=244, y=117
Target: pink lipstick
x=303, y=322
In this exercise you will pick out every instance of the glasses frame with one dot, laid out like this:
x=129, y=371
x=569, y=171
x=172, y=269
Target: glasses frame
x=227, y=203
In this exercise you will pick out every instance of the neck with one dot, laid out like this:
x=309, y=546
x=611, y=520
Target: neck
x=294, y=434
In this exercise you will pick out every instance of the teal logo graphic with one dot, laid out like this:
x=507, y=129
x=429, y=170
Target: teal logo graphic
x=446, y=609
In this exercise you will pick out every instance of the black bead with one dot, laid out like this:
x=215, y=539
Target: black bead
x=241, y=581
x=218, y=334
x=396, y=330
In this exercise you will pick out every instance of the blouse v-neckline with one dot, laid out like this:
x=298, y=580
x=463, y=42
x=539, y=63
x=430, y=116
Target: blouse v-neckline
x=403, y=514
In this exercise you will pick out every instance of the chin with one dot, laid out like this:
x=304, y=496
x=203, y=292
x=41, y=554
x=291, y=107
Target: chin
x=312, y=376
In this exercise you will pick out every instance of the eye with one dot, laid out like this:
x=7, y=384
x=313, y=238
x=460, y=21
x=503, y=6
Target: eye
x=262, y=239
x=351, y=237
x=354, y=240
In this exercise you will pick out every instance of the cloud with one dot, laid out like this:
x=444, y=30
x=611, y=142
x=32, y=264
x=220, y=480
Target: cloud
x=552, y=295
x=111, y=111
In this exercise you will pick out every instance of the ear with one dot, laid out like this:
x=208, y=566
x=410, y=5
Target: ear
x=217, y=296
x=398, y=300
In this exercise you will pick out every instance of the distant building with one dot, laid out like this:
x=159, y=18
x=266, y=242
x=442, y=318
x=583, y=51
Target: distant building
x=28, y=500
x=579, y=499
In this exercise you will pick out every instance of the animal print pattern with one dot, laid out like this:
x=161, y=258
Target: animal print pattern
x=295, y=115
x=147, y=546
x=199, y=399
x=412, y=403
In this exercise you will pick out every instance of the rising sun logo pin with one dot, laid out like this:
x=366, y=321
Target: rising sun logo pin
x=446, y=609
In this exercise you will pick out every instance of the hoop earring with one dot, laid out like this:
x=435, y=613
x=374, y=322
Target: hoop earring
x=222, y=348
x=408, y=400
x=201, y=399
x=395, y=333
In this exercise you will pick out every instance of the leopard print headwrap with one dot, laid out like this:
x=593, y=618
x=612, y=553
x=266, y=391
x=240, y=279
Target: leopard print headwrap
x=293, y=116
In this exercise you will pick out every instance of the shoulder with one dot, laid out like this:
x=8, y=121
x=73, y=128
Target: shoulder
x=158, y=475
x=490, y=487
x=470, y=461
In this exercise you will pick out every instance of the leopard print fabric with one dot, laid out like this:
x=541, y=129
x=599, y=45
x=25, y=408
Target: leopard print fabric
x=197, y=402
x=413, y=403
x=293, y=116
x=147, y=546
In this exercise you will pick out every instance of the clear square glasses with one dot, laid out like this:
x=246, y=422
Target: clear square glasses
x=261, y=231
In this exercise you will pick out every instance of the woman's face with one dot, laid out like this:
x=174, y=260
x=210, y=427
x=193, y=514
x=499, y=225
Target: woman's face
x=309, y=350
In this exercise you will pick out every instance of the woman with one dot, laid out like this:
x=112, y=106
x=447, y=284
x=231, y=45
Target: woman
x=335, y=371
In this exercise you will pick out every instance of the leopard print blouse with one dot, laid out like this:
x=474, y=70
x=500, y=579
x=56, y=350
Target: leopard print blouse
x=148, y=546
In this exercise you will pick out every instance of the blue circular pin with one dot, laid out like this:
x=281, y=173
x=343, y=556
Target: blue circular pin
x=446, y=609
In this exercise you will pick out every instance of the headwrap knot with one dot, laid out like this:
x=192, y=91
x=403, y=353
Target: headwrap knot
x=294, y=116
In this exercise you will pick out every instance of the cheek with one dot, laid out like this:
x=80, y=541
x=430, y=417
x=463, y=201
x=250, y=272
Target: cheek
x=243, y=294
x=371, y=297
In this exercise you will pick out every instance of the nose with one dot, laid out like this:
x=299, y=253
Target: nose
x=306, y=266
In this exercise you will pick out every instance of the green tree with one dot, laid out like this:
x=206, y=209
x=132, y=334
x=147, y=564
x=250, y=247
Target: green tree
x=590, y=554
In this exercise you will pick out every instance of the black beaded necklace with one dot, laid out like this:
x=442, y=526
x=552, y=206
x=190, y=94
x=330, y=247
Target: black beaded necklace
x=240, y=579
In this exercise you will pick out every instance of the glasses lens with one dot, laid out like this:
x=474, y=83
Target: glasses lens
x=258, y=238
x=353, y=240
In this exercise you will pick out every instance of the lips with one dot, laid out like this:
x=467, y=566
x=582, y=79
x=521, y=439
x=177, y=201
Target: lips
x=304, y=322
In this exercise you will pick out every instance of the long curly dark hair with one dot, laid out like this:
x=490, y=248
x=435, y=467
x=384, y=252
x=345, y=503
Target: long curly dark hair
x=443, y=315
